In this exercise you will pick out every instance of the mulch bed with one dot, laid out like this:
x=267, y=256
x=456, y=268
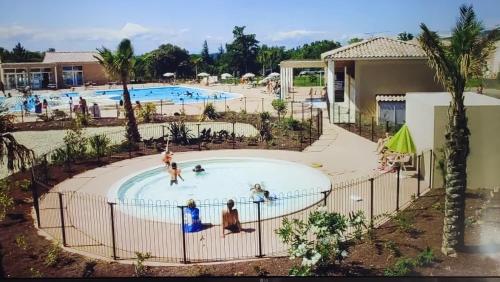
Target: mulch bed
x=368, y=257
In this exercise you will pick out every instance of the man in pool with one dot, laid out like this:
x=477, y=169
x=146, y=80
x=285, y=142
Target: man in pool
x=198, y=169
x=174, y=173
x=230, y=219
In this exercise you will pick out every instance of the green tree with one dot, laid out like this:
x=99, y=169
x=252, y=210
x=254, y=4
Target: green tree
x=119, y=65
x=279, y=106
x=17, y=155
x=196, y=60
x=456, y=63
x=314, y=49
x=354, y=40
x=242, y=52
x=205, y=54
x=404, y=36
x=169, y=58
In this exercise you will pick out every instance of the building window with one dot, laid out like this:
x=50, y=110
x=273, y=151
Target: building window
x=392, y=111
x=72, y=75
x=339, y=87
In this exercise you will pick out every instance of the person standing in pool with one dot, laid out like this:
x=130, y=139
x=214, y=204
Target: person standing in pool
x=174, y=173
x=167, y=157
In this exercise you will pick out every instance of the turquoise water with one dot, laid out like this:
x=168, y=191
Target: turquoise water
x=176, y=94
x=224, y=178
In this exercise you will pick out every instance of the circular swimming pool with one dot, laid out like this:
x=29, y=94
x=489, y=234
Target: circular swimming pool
x=148, y=194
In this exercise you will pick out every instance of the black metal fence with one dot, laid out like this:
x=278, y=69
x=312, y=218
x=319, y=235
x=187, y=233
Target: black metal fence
x=118, y=229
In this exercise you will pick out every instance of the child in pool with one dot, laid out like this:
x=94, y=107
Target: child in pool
x=167, y=157
x=174, y=173
x=198, y=169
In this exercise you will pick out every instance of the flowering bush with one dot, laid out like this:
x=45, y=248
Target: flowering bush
x=319, y=241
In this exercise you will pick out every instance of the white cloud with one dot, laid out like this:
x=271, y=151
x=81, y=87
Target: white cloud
x=294, y=34
x=129, y=30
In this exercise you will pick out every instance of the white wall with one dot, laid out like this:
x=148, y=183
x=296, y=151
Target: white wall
x=420, y=121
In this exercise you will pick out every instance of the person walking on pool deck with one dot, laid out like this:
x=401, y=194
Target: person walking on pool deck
x=174, y=173
x=230, y=219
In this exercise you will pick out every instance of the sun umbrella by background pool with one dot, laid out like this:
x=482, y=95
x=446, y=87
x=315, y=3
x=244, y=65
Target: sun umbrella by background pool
x=169, y=74
x=248, y=75
x=203, y=74
x=274, y=74
x=226, y=76
x=401, y=142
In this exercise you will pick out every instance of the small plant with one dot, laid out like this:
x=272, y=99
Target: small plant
x=260, y=271
x=89, y=268
x=404, y=221
x=24, y=184
x=21, y=242
x=180, y=133
x=357, y=220
x=76, y=142
x=53, y=255
x=35, y=273
x=82, y=119
x=147, y=112
x=6, y=201
x=426, y=257
x=99, y=144
x=393, y=248
x=437, y=206
x=265, y=128
x=210, y=112
x=469, y=221
x=279, y=106
x=140, y=269
x=402, y=267
x=291, y=124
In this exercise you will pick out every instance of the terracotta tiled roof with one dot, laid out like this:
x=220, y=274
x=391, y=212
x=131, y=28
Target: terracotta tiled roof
x=378, y=47
x=69, y=57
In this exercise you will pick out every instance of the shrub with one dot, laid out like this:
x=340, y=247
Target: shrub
x=99, y=144
x=319, y=241
x=21, y=242
x=6, y=201
x=147, y=112
x=139, y=268
x=82, y=119
x=357, y=220
x=291, y=124
x=393, y=248
x=76, y=142
x=60, y=156
x=180, y=133
x=210, y=112
x=35, y=273
x=404, y=221
x=53, y=255
x=24, y=184
x=402, y=267
x=58, y=114
x=426, y=257
x=279, y=106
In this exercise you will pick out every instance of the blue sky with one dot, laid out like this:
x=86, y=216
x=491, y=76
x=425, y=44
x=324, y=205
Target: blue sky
x=88, y=24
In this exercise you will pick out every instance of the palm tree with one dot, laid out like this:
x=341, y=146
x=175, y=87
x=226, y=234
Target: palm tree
x=119, y=65
x=455, y=63
x=196, y=61
x=18, y=156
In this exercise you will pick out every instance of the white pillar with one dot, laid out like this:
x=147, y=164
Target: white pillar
x=55, y=76
x=347, y=95
x=282, y=82
x=331, y=87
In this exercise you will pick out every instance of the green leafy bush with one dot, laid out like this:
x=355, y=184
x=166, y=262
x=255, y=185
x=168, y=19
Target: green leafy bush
x=402, y=267
x=140, y=269
x=147, y=112
x=99, y=145
x=319, y=241
x=404, y=221
x=279, y=106
x=426, y=257
x=24, y=184
x=6, y=201
x=393, y=248
x=210, y=112
x=53, y=255
x=180, y=133
x=76, y=142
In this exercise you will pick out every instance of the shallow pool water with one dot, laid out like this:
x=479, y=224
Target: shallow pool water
x=149, y=194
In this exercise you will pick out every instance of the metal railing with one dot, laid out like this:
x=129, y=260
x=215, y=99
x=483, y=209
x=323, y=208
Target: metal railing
x=119, y=228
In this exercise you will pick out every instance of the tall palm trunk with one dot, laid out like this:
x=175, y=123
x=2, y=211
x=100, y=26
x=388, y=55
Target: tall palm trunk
x=457, y=149
x=132, y=130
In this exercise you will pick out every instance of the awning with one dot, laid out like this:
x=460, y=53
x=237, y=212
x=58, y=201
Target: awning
x=390, y=97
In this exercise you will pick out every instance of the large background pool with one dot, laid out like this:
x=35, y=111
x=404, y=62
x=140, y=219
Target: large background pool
x=169, y=94
x=224, y=178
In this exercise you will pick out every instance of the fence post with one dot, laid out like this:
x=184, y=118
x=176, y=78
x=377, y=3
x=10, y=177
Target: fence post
x=113, y=239
x=373, y=124
x=199, y=140
x=291, y=109
x=397, y=189
x=182, y=105
x=371, y=201
x=359, y=123
x=34, y=194
x=22, y=115
x=418, y=176
x=430, y=168
x=386, y=126
x=163, y=132
x=245, y=100
x=61, y=214
x=259, y=229
x=263, y=110
x=117, y=111
x=184, y=255
x=302, y=111
x=338, y=111
x=68, y=158
x=234, y=135
x=318, y=122
x=225, y=104
x=161, y=106
x=324, y=197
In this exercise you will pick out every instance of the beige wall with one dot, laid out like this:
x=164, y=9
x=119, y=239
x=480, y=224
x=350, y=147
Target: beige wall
x=391, y=77
x=483, y=163
x=91, y=72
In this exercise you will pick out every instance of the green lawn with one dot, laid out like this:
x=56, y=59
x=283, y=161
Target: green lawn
x=307, y=81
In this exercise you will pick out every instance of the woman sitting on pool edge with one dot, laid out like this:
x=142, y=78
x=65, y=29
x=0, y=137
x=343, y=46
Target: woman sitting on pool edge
x=192, y=217
x=230, y=219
